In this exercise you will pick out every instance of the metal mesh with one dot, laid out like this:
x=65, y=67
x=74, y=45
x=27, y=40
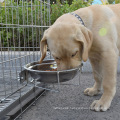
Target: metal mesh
x=22, y=23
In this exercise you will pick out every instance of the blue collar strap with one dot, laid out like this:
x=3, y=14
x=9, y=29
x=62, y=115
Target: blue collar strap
x=78, y=17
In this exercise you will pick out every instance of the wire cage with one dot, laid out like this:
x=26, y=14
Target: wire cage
x=22, y=23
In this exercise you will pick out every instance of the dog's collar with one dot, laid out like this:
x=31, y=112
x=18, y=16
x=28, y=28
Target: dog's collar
x=78, y=17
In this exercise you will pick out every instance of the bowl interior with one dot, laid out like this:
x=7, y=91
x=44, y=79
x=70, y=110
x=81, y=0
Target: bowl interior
x=45, y=67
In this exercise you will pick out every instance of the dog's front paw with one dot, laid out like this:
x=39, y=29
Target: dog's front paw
x=99, y=105
x=91, y=91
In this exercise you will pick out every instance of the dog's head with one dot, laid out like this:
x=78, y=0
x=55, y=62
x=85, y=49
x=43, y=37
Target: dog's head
x=69, y=44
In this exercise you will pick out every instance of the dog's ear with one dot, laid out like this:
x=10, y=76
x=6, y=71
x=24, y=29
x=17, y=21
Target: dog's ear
x=85, y=37
x=43, y=46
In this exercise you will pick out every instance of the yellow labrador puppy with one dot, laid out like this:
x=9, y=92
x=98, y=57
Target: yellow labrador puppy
x=70, y=42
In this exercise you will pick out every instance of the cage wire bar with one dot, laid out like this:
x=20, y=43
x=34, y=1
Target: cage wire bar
x=22, y=23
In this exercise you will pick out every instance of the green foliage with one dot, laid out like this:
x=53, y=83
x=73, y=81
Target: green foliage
x=21, y=13
x=117, y=1
x=59, y=9
x=111, y=1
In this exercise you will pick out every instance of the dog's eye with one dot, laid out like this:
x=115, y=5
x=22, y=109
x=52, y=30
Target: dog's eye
x=74, y=54
x=57, y=58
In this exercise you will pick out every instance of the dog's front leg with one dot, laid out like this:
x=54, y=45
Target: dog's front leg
x=109, y=70
x=96, y=66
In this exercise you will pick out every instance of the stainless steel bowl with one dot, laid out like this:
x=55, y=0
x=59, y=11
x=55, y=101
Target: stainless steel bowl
x=38, y=72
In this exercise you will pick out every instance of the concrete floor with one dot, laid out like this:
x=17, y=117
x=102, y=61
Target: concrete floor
x=71, y=104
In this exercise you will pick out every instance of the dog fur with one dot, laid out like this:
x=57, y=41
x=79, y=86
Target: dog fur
x=99, y=40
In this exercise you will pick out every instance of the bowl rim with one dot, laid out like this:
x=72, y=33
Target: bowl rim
x=40, y=71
